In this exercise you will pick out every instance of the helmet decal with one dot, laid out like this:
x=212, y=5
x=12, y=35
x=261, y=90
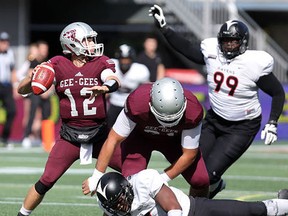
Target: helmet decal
x=102, y=192
x=70, y=35
x=230, y=23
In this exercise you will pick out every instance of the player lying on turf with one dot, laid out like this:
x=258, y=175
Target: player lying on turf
x=146, y=193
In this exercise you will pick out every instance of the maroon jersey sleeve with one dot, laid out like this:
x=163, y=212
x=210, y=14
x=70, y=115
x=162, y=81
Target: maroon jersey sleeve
x=109, y=63
x=137, y=103
x=194, y=110
x=71, y=83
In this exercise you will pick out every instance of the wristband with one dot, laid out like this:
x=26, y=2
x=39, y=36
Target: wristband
x=93, y=180
x=165, y=177
x=112, y=85
x=272, y=122
x=97, y=174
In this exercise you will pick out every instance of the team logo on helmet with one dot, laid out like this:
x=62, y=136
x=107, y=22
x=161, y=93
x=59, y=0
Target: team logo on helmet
x=71, y=35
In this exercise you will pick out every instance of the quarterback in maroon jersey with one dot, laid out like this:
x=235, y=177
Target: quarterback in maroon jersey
x=82, y=78
x=162, y=117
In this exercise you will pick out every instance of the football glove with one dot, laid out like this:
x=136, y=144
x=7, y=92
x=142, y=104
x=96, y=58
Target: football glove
x=93, y=181
x=269, y=133
x=157, y=12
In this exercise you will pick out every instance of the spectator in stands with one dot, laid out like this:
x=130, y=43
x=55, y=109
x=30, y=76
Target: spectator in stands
x=151, y=58
x=8, y=86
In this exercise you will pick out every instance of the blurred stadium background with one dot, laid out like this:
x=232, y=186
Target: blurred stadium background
x=127, y=21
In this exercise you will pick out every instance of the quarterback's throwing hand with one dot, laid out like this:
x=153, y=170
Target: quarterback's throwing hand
x=157, y=12
x=269, y=133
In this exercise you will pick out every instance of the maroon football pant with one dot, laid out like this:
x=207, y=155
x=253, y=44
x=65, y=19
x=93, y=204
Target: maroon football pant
x=137, y=150
x=64, y=154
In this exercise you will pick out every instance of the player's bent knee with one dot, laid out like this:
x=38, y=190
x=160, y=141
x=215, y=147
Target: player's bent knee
x=41, y=188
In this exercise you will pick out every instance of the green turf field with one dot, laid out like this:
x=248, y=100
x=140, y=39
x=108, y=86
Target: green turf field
x=259, y=174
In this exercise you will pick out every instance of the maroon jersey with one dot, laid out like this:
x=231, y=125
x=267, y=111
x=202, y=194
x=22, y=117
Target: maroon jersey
x=138, y=110
x=148, y=136
x=71, y=83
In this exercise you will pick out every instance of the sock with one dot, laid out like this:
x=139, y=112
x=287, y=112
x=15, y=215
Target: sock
x=24, y=211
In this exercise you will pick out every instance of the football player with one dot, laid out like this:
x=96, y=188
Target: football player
x=82, y=77
x=146, y=193
x=163, y=117
x=131, y=74
x=234, y=76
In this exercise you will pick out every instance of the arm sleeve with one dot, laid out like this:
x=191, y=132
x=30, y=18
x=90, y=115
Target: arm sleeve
x=190, y=138
x=106, y=73
x=271, y=86
x=190, y=50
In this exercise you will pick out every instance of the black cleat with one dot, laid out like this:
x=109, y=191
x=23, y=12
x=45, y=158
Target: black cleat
x=283, y=194
x=221, y=186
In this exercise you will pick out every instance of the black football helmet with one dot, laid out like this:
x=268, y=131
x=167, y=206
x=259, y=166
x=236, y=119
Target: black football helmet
x=236, y=30
x=115, y=193
x=126, y=56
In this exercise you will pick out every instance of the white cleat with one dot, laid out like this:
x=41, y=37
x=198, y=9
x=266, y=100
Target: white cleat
x=276, y=207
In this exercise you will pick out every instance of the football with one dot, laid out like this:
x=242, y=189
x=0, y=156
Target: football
x=43, y=78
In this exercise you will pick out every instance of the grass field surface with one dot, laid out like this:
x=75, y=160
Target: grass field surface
x=257, y=175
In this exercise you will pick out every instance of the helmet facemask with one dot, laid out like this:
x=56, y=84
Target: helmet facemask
x=121, y=204
x=168, y=102
x=168, y=120
x=90, y=47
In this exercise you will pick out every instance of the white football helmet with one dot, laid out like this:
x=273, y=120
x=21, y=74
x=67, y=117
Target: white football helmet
x=74, y=39
x=168, y=102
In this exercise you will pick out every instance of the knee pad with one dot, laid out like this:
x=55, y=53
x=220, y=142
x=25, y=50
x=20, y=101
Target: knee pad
x=41, y=188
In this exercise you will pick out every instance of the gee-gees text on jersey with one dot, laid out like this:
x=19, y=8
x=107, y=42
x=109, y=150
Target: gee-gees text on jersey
x=81, y=81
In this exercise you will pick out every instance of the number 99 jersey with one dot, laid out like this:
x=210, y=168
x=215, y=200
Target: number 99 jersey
x=233, y=91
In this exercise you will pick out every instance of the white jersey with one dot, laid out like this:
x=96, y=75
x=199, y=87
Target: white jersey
x=7, y=65
x=146, y=184
x=136, y=75
x=233, y=92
